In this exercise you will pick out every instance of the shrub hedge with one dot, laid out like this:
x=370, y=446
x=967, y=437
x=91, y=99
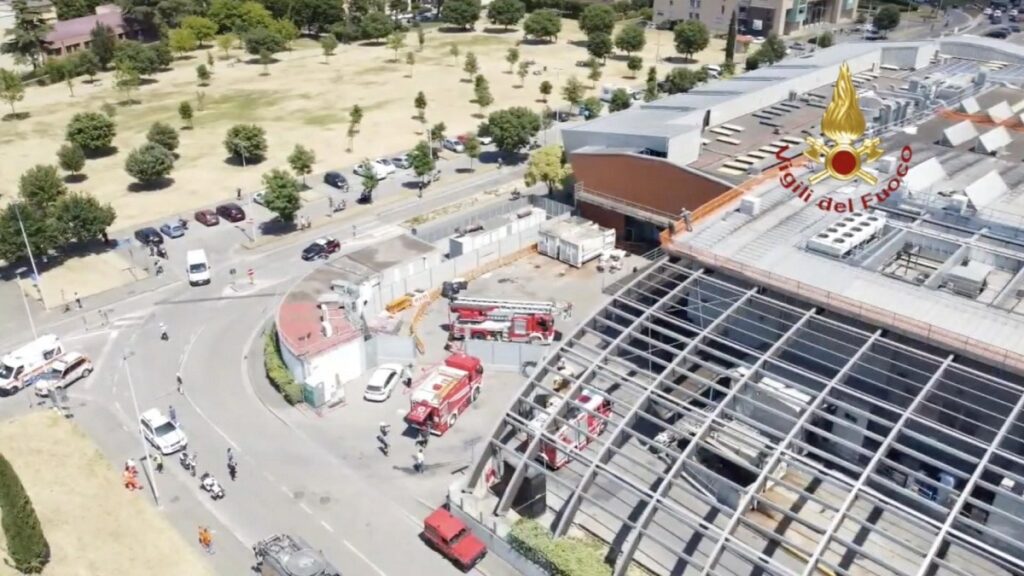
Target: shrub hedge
x=277, y=372
x=26, y=544
x=558, y=556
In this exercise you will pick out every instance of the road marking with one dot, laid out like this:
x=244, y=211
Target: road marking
x=425, y=503
x=415, y=521
x=363, y=558
x=269, y=477
x=286, y=491
x=304, y=507
x=101, y=360
x=86, y=335
x=188, y=347
x=327, y=526
x=210, y=422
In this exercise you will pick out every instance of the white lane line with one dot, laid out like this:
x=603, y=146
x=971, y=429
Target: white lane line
x=415, y=521
x=101, y=360
x=269, y=477
x=304, y=507
x=363, y=558
x=327, y=526
x=427, y=504
x=86, y=335
x=210, y=422
x=285, y=490
x=188, y=347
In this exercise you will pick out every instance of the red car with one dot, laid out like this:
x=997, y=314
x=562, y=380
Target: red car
x=207, y=217
x=449, y=536
x=231, y=212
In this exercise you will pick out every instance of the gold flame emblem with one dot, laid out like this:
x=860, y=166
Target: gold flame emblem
x=843, y=124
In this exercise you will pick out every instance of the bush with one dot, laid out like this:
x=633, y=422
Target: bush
x=277, y=372
x=26, y=544
x=558, y=556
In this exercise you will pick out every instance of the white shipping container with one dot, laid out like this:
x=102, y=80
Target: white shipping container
x=586, y=246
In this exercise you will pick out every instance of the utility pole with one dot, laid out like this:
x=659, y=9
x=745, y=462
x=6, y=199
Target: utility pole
x=28, y=311
x=138, y=418
x=37, y=279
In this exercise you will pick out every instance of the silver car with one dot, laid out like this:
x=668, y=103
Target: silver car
x=65, y=371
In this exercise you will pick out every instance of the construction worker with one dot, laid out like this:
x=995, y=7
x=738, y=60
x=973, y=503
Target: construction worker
x=206, y=539
x=158, y=463
x=131, y=482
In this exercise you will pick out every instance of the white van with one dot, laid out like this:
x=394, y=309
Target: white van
x=19, y=367
x=197, y=267
x=713, y=70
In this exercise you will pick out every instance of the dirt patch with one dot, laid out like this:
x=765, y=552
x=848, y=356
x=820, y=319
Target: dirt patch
x=93, y=525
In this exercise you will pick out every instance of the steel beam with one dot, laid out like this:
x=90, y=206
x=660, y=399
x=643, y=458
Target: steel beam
x=569, y=511
x=531, y=450
x=633, y=540
x=969, y=487
x=812, y=562
x=777, y=455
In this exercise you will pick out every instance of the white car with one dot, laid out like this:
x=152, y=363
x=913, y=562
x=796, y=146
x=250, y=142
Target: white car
x=374, y=167
x=163, y=434
x=383, y=381
x=987, y=11
x=65, y=371
x=997, y=14
x=386, y=164
x=485, y=140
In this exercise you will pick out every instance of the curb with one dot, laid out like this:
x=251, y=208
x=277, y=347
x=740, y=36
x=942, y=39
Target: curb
x=247, y=380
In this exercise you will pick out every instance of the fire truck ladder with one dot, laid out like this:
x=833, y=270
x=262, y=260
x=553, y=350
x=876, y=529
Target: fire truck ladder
x=509, y=307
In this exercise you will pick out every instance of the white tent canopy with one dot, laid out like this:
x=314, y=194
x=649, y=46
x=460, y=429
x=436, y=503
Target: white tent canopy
x=1000, y=112
x=923, y=176
x=958, y=134
x=992, y=141
x=970, y=106
x=986, y=189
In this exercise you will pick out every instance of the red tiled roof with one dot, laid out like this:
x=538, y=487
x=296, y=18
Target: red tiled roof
x=298, y=324
x=78, y=29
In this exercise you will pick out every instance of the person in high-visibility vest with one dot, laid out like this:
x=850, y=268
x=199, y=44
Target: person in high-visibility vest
x=206, y=539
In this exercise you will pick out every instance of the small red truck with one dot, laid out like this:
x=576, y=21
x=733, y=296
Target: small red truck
x=444, y=393
x=449, y=536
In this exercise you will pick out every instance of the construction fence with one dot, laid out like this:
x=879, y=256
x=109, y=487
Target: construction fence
x=436, y=231
x=507, y=356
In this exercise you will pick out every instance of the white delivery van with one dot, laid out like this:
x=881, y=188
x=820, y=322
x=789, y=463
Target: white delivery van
x=23, y=364
x=197, y=267
x=608, y=89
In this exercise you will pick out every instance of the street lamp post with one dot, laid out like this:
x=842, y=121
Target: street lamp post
x=138, y=418
x=37, y=279
x=28, y=311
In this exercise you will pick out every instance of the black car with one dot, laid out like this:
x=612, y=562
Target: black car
x=321, y=248
x=149, y=236
x=336, y=179
x=231, y=212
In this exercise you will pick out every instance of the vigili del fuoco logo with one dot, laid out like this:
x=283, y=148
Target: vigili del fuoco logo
x=843, y=153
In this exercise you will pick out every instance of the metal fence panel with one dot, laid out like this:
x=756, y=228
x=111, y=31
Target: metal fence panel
x=395, y=348
x=506, y=356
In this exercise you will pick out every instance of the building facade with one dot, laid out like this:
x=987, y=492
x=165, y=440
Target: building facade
x=70, y=36
x=757, y=17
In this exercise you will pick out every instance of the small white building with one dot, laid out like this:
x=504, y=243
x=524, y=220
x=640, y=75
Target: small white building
x=574, y=240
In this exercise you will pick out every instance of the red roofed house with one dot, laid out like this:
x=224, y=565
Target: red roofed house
x=70, y=36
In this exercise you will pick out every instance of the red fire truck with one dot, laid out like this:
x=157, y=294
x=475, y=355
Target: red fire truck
x=582, y=422
x=506, y=320
x=444, y=393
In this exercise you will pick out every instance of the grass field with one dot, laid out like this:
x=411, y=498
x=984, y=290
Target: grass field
x=92, y=524
x=302, y=101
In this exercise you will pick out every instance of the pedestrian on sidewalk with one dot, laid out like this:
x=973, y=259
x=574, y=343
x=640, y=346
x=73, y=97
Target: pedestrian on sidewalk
x=231, y=456
x=232, y=470
x=206, y=539
x=385, y=445
x=78, y=301
x=419, y=461
x=163, y=332
x=158, y=463
x=180, y=389
x=172, y=414
x=238, y=194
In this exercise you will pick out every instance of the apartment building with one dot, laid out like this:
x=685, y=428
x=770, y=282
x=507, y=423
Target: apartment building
x=757, y=17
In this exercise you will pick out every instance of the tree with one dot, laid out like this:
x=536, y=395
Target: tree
x=246, y=142
x=599, y=44
x=109, y=110
x=505, y=12
x=266, y=59
x=773, y=49
x=61, y=70
x=149, y=163
x=163, y=135
x=316, y=15
x=71, y=158
x=597, y=18
x=631, y=39
x=887, y=18
x=546, y=166
x=473, y=149
x=410, y=59
x=396, y=41
x=26, y=544
x=422, y=160
x=513, y=129
x=454, y=52
x=591, y=107
x=420, y=102
x=42, y=237
x=594, y=71
x=92, y=131
x=543, y=25
x=370, y=180
x=680, y=80
x=203, y=75
x=185, y=112
x=260, y=40
x=421, y=37
x=461, y=13
x=482, y=91
x=512, y=56
x=103, y=43
x=40, y=186
x=328, y=44
x=301, y=160
x=68, y=9
x=226, y=42
x=374, y=26
x=11, y=88
x=127, y=79
x=730, y=40
x=287, y=30
x=635, y=64
x=690, y=37
x=87, y=63
x=79, y=217
x=545, y=89
x=651, y=87
x=471, y=66
x=437, y=132
x=202, y=28
x=26, y=41
x=825, y=39
x=282, y=194
x=355, y=118
x=753, y=61
x=143, y=59
x=620, y=100
x=573, y=91
x=523, y=71
x=182, y=40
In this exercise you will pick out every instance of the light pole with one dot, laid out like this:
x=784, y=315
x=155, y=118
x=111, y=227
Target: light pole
x=37, y=279
x=28, y=311
x=138, y=419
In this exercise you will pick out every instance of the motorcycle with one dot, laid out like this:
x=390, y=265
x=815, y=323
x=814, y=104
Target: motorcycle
x=183, y=222
x=188, y=462
x=338, y=207
x=161, y=252
x=516, y=194
x=209, y=484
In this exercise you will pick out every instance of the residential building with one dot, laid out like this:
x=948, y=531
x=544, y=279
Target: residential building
x=69, y=36
x=757, y=17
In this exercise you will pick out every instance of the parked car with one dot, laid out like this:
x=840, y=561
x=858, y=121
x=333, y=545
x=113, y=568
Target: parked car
x=387, y=165
x=378, y=170
x=64, y=372
x=207, y=217
x=149, y=236
x=1015, y=28
x=383, y=381
x=231, y=212
x=448, y=535
x=172, y=229
x=483, y=140
x=321, y=248
x=161, y=432
x=258, y=198
x=1000, y=33
x=401, y=162
x=987, y=11
x=453, y=144
x=336, y=180
x=997, y=13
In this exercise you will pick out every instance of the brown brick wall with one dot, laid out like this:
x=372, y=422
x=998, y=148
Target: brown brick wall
x=604, y=217
x=650, y=182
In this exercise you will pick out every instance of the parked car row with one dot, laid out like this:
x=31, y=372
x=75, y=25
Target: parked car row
x=150, y=236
